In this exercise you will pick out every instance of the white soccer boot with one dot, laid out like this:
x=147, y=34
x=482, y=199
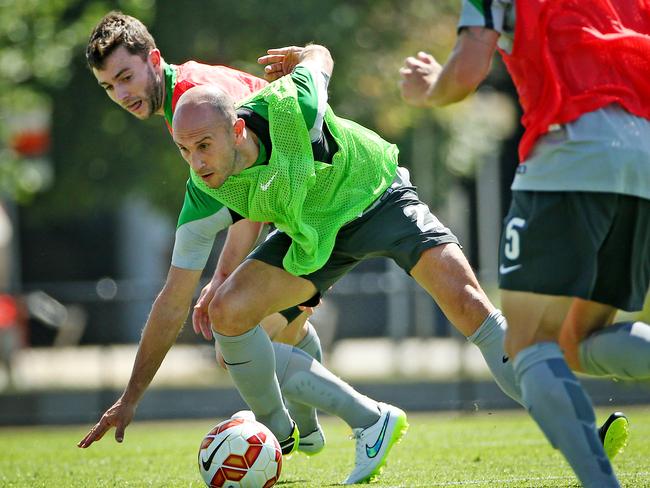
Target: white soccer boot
x=312, y=443
x=375, y=442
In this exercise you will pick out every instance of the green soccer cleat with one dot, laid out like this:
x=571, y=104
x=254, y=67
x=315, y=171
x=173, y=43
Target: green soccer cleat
x=291, y=443
x=614, y=434
x=375, y=442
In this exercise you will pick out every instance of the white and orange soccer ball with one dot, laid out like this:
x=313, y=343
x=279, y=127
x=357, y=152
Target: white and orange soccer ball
x=240, y=453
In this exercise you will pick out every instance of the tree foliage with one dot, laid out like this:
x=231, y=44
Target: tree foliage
x=100, y=153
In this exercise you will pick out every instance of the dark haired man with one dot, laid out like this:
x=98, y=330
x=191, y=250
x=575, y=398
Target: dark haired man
x=575, y=246
x=123, y=57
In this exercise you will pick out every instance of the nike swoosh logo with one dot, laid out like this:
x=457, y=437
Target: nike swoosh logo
x=372, y=451
x=508, y=269
x=208, y=462
x=236, y=364
x=265, y=186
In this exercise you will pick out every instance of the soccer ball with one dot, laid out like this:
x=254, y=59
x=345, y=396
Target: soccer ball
x=240, y=453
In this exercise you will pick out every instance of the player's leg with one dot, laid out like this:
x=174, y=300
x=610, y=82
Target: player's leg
x=444, y=272
x=299, y=332
x=606, y=348
x=252, y=292
x=377, y=427
x=549, y=254
x=596, y=346
x=551, y=393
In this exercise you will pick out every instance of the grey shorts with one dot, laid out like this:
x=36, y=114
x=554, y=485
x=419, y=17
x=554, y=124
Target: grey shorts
x=399, y=227
x=594, y=246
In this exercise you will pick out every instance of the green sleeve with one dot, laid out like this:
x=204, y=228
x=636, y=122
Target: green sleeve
x=197, y=205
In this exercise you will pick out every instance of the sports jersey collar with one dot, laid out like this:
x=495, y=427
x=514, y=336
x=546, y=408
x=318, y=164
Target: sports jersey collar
x=169, y=71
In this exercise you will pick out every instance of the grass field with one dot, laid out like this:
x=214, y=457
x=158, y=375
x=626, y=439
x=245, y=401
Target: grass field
x=495, y=449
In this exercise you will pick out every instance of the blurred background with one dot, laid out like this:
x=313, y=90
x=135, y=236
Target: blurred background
x=89, y=197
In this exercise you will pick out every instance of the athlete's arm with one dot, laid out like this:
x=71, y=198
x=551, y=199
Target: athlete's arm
x=426, y=83
x=241, y=238
x=282, y=61
x=166, y=319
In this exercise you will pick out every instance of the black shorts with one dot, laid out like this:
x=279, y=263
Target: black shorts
x=400, y=227
x=594, y=246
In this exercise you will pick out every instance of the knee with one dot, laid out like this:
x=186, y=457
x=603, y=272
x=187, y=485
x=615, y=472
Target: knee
x=227, y=317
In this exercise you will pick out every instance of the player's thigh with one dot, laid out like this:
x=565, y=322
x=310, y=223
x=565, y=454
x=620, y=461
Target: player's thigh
x=272, y=252
x=443, y=271
x=532, y=318
x=404, y=229
x=295, y=331
x=254, y=291
x=273, y=324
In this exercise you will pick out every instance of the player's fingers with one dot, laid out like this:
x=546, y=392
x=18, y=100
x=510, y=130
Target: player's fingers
x=283, y=50
x=426, y=57
x=270, y=58
x=95, y=434
x=119, y=432
x=274, y=68
x=196, y=321
x=412, y=63
x=206, y=330
x=405, y=72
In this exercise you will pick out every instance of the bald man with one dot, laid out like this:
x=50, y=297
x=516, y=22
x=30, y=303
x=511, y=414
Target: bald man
x=336, y=194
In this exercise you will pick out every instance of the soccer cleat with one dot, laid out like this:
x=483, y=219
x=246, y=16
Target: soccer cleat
x=291, y=443
x=312, y=443
x=614, y=434
x=375, y=442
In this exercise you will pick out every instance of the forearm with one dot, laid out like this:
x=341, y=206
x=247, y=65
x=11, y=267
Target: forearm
x=467, y=66
x=168, y=314
x=158, y=336
x=241, y=238
x=319, y=55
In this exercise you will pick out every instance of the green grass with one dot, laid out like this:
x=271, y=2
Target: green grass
x=482, y=449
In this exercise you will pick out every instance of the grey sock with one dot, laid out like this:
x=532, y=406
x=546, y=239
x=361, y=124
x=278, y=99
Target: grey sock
x=311, y=344
x=557, y=402
x=309, y=383
x=621, y=350
x=489, y=339
x=304, y=415
x=251, y=364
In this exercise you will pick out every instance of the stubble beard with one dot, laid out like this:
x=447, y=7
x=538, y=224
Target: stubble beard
x=154, y=91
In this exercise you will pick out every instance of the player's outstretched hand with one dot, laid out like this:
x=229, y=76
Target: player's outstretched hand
x=280, y=61
x=419, y=74
x=200, y=316
x=118, y=416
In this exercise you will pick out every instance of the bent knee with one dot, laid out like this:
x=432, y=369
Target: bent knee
x=228, y=316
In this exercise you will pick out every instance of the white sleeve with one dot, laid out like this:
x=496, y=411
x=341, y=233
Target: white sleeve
x=321, y=82
x=491, y=14
x=194, y=239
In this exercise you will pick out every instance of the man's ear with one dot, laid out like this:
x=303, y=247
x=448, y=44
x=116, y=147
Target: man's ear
x=239, y=127
x=154, y=57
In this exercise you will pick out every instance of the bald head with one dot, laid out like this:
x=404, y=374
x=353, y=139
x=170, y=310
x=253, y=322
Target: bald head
x=206, y=103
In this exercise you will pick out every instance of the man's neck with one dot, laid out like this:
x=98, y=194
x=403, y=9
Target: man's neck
x=161, y=74
x=250, y=149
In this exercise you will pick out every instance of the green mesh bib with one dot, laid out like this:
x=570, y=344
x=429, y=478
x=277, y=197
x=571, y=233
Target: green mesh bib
x=308, y=200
